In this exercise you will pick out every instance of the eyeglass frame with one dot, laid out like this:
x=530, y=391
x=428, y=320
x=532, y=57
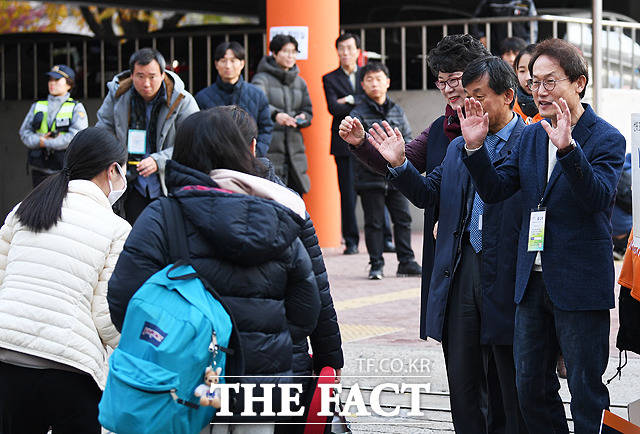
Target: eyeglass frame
x=445, y=82
x=552, y=82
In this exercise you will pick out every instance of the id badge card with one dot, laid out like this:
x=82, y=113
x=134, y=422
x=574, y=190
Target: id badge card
x=137, y=142
x=536, y=230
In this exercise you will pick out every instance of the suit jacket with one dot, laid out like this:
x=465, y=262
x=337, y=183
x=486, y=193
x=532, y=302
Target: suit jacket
x=336, y=85
x=577, y=261
x=449, y=186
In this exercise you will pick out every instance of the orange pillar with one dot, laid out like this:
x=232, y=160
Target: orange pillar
x=323, y=21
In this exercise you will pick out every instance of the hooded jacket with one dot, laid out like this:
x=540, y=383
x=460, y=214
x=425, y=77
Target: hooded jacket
x=53, y=284
x=287, y=93
x=115, y=110
x=246, y=247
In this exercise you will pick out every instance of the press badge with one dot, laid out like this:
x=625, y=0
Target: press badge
x=137, y=141
x=536, y=230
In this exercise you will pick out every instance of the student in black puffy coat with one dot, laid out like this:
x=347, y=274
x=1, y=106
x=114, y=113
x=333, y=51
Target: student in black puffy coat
x=325, y=340
x=243, y=238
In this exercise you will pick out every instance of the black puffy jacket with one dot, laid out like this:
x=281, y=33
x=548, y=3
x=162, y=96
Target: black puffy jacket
x=248, y=249
x=325, y=339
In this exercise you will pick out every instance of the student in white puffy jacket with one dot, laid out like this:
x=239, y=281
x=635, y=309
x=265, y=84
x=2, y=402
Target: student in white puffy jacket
x=58, y=249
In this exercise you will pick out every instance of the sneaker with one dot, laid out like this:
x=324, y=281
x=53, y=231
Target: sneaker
x=389, y=247
x=409, y=269
x=376, y=272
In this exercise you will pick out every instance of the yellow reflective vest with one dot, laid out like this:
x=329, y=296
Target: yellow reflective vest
x=63, y=117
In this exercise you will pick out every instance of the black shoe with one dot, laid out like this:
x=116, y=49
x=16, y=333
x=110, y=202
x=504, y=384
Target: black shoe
x=350, y=250
x=409, y=269
x=376, y=272
x=389, y=247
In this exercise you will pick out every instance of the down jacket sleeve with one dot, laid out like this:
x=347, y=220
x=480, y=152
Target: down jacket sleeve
x=144, y=253
x=265, y=126
x=305, y=106
x=6, y=234
x=302, y=302
x=99, y=306
x=262, y=82
x=325, y=339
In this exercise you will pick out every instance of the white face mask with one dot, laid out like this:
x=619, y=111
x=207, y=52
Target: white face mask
x=114, y=195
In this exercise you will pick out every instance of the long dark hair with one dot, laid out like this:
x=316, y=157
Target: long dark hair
x=244, y=121
x=90, y=152
x=209, y=140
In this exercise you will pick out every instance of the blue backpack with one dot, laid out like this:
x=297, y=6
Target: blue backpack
x=174, y=328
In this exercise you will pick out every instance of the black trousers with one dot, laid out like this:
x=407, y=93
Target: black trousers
x=463, y=354
x=134, y=204
x=482, y=379
x=503, y=412
x=373, y=203
x=34, y=399
x=347, y=200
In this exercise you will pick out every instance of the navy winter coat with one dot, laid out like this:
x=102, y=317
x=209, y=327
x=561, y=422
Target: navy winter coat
x=449, y=186
x=248, y=249
x=249, y=97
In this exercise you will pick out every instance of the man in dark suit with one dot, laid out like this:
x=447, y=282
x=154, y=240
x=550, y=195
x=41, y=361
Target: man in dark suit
x=343, y=90
x=470, y=308
x=567, y=171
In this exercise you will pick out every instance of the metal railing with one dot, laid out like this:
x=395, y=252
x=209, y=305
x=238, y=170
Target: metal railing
x=403, y=47
x=388, y=41
x=25, y=58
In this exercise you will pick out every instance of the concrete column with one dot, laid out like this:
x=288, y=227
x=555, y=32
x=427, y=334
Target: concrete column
x=323, y=21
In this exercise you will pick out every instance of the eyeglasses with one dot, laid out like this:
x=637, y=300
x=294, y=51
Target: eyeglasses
x=452, y=82
x=549, y=85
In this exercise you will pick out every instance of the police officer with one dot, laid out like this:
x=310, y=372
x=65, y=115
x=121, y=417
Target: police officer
x=50, y=125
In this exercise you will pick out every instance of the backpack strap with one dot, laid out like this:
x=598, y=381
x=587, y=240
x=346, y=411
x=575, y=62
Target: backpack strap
x=175, y=230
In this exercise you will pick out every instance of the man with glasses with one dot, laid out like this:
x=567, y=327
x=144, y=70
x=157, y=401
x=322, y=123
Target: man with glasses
x=142, y=110
x=231, y=89
x=447, y=62
x=567, y=171
x=472, y=284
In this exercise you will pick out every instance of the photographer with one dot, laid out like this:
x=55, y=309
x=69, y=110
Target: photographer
x=50, y=125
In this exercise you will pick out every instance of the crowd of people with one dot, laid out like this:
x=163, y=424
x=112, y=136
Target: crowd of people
x=519, y=185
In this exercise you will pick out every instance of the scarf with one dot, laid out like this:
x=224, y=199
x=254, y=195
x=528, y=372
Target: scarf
x=451, y=123
x=525, y=101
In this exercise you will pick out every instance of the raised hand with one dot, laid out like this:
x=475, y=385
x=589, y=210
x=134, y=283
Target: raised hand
x=474, y=123
x=560, y=136
x=351, y=131
x=388, y=142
